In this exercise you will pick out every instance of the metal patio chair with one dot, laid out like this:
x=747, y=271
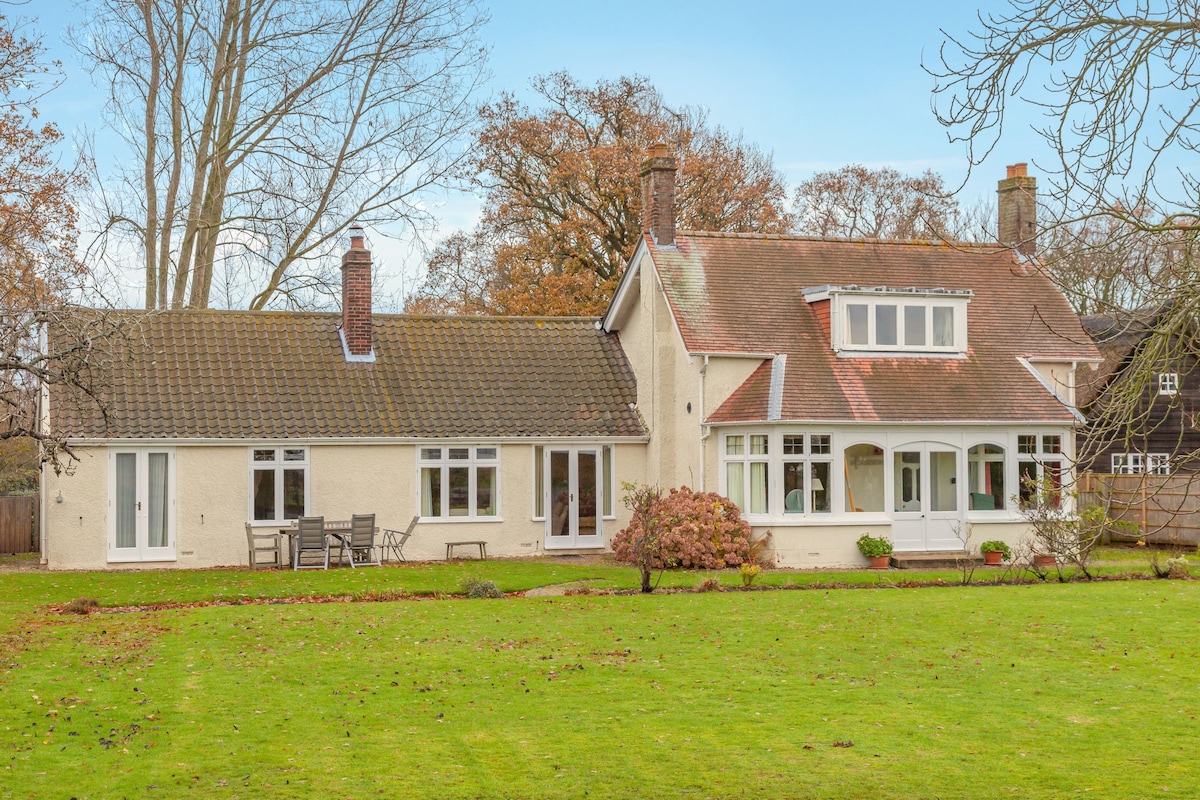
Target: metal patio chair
x=395, y=540
x=310, y=539
x=359, y=542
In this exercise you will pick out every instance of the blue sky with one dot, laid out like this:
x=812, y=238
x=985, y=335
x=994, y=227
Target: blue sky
x=820, y=85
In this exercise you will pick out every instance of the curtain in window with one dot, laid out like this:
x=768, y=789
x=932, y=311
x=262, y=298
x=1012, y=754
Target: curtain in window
x=735, y=485
x=126, y=500
x=758, y=487
x=431, y=492
x=157, y=500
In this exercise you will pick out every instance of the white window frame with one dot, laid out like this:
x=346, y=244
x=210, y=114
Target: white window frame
x=279, y=463
x=1168, y=383
x=748, y=459
x=1141, y=463
x=806, y=458
x=983, y=460
x=841, y=298
x=445, y=463
x=1043, y=455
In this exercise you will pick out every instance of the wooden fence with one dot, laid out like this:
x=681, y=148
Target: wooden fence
x=18, y=525
x=1165, y=508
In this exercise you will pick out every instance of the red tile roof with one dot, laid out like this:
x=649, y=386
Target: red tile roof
x=240, y=374
x=743, y=293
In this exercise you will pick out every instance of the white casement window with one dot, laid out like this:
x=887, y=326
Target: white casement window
x=985, y=477
x=746, y=475
x=278, y=483
x=459, y=481
x=1040, y=466
x=1168, y=383
x=807, y=468
x=883, y=320
x=1139, y=463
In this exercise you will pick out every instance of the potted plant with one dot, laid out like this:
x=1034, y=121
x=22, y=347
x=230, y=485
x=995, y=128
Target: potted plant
x=995, y=551
x=876, y=548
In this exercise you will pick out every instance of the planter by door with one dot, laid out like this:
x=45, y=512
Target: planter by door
x=880, y=562
x=992, y=557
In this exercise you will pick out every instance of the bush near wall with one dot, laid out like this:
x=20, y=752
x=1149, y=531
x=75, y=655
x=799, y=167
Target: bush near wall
x=685, y=528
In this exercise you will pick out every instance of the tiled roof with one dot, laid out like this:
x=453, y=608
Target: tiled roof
x=251, y=375
x=743, y=293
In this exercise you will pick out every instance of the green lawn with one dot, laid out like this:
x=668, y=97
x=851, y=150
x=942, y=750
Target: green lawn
x=1048, y=690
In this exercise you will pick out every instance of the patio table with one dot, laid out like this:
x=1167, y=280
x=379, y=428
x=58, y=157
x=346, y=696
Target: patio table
x=336, y=531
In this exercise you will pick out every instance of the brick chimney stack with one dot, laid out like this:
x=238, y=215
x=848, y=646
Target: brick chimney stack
x=356, y=298
x=1016, y=207
x=658, y=194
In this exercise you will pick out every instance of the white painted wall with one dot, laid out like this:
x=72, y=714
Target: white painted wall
x=213, y=490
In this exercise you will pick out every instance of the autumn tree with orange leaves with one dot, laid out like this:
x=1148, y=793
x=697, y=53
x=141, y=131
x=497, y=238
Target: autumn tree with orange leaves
x=561, y=197
x=38, y=267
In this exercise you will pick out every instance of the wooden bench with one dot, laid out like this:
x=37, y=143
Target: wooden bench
x=482, y=545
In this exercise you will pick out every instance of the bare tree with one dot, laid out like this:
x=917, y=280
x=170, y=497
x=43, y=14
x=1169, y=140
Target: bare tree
x=1118, y=85
x=856, y=201
x=261, y=129
x=1116, y=81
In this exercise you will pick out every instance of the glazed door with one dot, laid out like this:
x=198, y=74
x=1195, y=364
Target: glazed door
x=574, y=498
x=141, y=503
x=926, y=510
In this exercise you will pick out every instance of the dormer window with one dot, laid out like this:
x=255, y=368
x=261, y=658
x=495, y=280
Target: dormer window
x=880, y=320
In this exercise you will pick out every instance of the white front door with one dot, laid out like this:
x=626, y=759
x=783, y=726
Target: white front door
x=574, y=497
x=926, y=509
x=141, y=504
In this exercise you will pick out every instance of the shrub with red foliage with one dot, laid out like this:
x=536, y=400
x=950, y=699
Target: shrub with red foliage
x=697, y=530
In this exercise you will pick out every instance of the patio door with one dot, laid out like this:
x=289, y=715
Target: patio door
x=925, y=499
x=141, y=504
x=573, y=497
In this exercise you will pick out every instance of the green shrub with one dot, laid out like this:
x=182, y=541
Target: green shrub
x=872, y=546
x=996, y=546
x=750, y=573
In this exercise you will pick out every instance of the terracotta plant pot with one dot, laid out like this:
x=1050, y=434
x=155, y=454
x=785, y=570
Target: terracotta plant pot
x=1043, y=561
x=992, y=557
x=881, y=562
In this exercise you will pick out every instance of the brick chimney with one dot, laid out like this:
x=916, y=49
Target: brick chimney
x=356, y=299
x=658, y=194
x=1016, y=207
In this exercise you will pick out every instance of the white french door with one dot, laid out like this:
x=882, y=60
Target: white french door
x=926, y=506
x=574, y=497
x=141, y=504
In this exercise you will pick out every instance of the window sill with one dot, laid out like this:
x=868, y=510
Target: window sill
x=453, y=520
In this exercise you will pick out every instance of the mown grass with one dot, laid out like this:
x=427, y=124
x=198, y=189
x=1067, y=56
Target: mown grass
x=1046, y=690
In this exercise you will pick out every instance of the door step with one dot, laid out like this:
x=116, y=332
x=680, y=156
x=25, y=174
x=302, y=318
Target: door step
x=936, y=559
